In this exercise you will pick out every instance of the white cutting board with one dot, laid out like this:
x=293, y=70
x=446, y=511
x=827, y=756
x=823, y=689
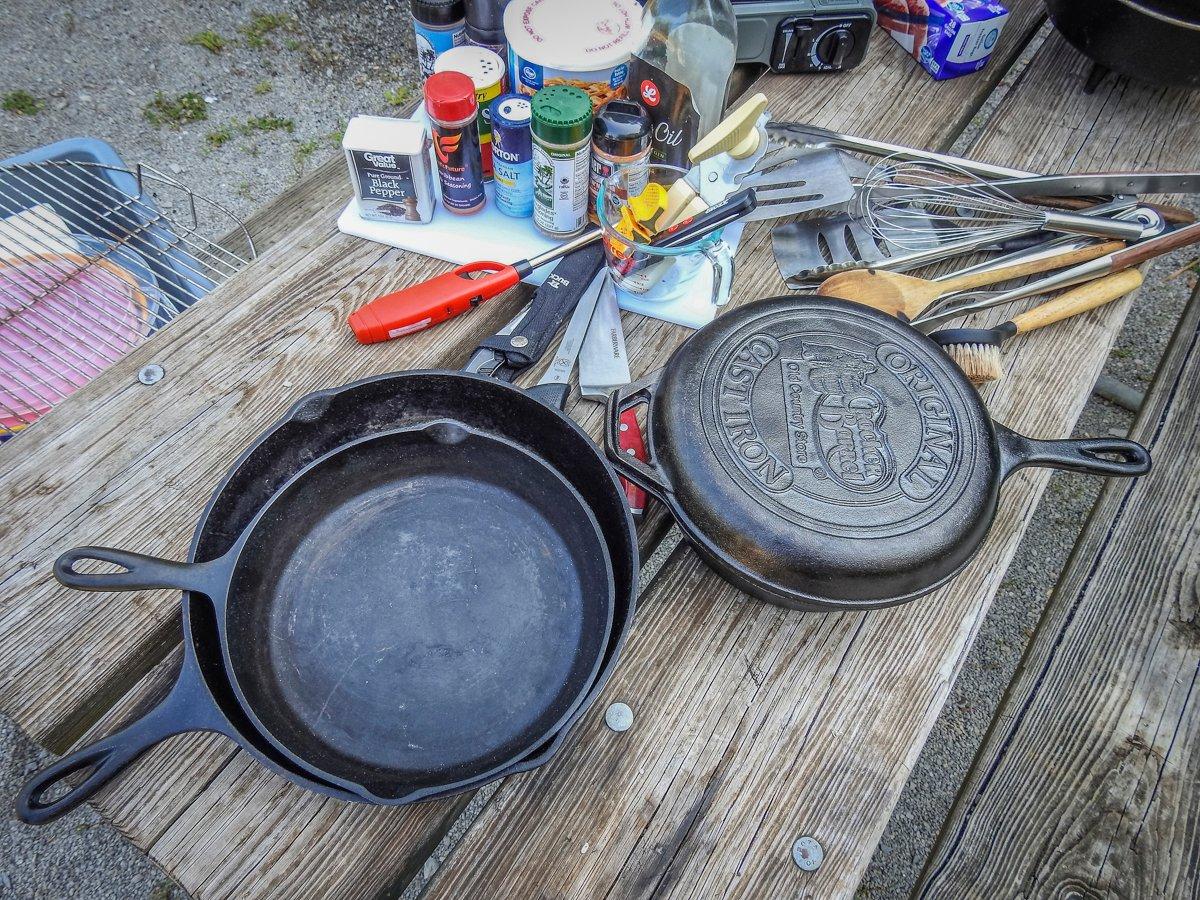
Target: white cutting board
x=492, y=236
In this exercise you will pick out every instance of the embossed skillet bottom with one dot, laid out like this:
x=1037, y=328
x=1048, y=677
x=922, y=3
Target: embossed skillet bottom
x=823, y=455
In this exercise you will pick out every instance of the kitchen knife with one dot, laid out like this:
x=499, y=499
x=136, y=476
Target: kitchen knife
x=604, y=367
x=558, y=375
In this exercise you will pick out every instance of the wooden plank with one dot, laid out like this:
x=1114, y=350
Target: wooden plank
x=1088, y=780
x=755, y=726
x=281, y=335
x=321, y=190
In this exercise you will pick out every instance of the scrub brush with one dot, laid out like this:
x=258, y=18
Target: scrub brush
x=977, y=350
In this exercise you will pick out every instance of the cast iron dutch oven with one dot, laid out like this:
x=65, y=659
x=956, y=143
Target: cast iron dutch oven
x=823, y=455
x=1152, y=40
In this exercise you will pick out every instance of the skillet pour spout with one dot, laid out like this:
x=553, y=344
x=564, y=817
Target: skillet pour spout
x=823, y=455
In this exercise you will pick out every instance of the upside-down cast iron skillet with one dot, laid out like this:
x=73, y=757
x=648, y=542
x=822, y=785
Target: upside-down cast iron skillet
x=290, y=742
x=823, y=455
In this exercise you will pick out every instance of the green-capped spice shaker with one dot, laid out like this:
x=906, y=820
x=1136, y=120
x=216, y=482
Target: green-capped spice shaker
x=562, y=152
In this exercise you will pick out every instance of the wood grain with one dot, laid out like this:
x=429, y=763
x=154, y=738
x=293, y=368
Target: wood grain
x=755, y=726
x=1087, y=782
x=119, y=465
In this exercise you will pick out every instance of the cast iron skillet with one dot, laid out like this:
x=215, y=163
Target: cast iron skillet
x=823, y=455
x=1151, y=40
x=464, y=579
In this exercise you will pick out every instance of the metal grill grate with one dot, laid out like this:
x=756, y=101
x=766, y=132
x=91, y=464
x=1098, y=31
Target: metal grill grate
x=90, y=267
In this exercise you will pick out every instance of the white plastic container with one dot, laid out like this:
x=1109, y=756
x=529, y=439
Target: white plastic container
x=390, y=169
x=581, y=44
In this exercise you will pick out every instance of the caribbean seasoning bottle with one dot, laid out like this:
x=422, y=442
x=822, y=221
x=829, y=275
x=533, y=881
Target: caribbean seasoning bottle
x=453, y=117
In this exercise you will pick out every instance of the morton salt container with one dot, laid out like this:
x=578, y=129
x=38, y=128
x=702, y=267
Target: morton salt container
x=486, y=70
x=562, y=152
x=439, y=25
x=512, y=155
x=454, y=120
x=390, y=169
x=579, y=44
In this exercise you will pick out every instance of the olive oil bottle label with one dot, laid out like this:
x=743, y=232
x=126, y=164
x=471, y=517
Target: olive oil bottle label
x=676, y=121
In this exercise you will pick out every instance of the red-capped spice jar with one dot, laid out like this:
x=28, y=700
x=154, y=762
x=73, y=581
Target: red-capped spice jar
x=453, y=116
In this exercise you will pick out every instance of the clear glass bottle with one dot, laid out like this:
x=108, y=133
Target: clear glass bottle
x=681, y=71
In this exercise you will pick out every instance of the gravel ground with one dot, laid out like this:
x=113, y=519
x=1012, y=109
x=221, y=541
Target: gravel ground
x=275, y=97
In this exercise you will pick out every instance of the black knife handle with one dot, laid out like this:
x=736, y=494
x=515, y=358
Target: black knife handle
x=552, y=304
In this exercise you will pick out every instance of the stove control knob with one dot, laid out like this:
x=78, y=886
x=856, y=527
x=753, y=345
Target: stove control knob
x=834, y=47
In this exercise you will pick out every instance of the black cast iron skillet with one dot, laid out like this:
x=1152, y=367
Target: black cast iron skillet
x=412, y=612
x=823, y=455
x=1151, y=40
x=324, y=420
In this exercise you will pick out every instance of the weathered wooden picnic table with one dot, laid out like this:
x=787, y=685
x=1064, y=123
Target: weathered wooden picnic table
x=753, y=725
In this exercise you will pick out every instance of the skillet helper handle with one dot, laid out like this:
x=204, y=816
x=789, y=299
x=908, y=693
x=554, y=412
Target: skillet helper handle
x=630, y=442
x=141, y=572
x=644, y=472
x=1031, y=267
x=552, y=304
x=1089, y=456
x=431, y=302
x=1078, y=300
x=186, y=708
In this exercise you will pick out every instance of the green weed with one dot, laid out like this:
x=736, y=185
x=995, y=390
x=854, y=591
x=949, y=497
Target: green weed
x=262, y=24
x=185, y=108
x=208, y=39
x=22, y=103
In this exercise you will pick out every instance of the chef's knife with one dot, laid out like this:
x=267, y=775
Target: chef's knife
x=558, y=375
x=604, y=367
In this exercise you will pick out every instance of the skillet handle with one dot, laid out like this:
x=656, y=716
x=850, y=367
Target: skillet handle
x=1086, y=455
x=645, y=474
x=185, y=708
x=141, y=572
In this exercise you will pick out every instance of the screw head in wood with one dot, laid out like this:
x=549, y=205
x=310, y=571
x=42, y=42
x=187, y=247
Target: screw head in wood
x=619, y=717
x=807, y=853
x=151, y=374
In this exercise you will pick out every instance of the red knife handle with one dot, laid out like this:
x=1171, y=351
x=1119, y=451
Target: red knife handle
x=430, y=302
x=630, y=441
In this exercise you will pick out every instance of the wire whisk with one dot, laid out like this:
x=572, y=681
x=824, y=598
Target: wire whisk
x=911, y=204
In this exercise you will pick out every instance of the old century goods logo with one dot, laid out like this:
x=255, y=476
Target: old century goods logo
x=835, y=419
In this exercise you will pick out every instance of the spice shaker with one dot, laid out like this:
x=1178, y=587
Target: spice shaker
x=454, y=120
x=512, y=155
x=439, y=25
x=620, y=149
x=486, y=70
x=562, y=150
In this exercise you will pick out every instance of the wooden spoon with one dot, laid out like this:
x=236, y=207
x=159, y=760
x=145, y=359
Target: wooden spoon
x=907, y=296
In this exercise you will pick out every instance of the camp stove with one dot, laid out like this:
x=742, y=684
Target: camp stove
x=793, y=36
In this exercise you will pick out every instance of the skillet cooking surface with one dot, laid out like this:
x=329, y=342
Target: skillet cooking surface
x=419, y=606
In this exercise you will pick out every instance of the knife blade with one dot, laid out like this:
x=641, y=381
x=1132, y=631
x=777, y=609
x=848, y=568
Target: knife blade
x=604, y=367
x=564, y=359
x=1100, y=184
x=603, y=363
